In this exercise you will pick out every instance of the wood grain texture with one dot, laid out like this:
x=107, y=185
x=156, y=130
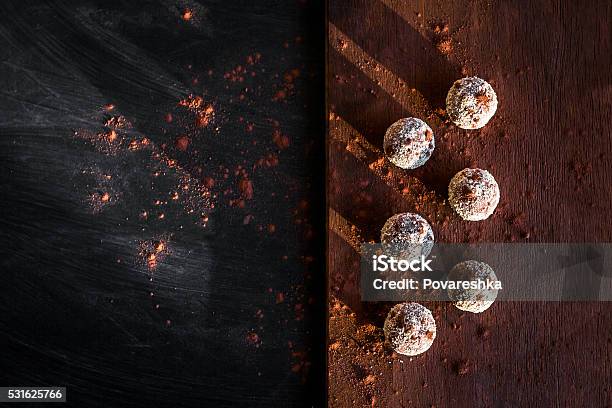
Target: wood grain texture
x=549, y=147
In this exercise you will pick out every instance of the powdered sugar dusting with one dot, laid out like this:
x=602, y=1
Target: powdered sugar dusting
x=471, y=103
x=472, y=300
x=408, y=233
x=410, y=328
x=473, y=194
x=409, y=143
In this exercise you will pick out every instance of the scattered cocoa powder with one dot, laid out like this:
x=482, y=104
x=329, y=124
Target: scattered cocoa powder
x=246, y=188
x=445, y=46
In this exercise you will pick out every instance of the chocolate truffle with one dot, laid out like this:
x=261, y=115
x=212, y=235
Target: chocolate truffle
x=409, y=143
x=410, y=328
x=473, y=194
x=471, y=103
x=472, y=300
x=408, y=234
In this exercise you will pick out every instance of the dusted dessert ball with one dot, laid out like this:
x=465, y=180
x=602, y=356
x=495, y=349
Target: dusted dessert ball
x=471, y=103
x=409, y=234
x=474, y=194
x=472, y=300
x=408, y=143
x=410, y=328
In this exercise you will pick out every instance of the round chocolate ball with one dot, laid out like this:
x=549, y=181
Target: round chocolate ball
x=410, y=328
x=409, y=143
x=472, y=300
x=471, y=103
x=473, y=194
x=408, y=235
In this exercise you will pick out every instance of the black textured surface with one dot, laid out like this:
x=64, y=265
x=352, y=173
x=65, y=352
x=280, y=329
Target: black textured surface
x=76, y=308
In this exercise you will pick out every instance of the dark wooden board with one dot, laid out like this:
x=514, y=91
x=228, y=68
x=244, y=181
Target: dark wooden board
x=549, y=147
